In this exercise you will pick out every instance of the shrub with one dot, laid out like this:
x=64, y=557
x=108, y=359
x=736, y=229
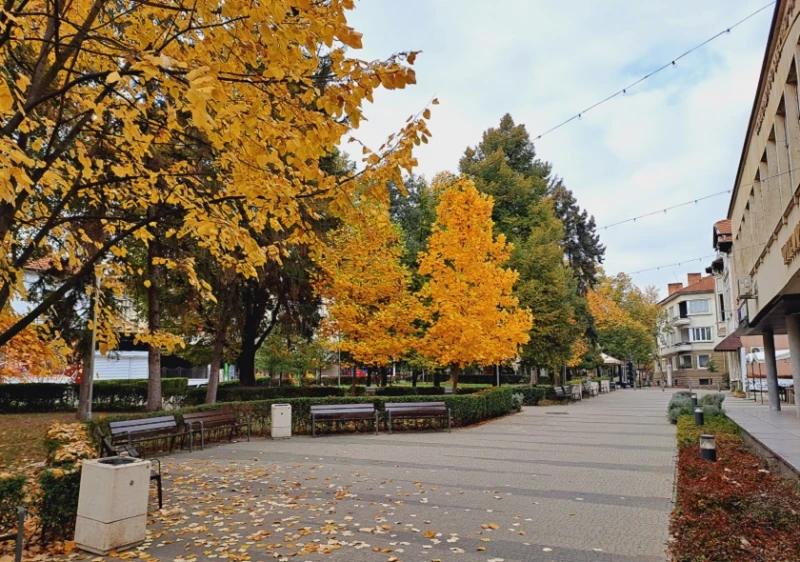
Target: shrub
x=722, y=428
x=519, y=400
x=490, y=379
x=532, y=395
x=11, y=496
x=679, y=405
x=38, y=397
x=236, y=393
x=715, y=399
x=113, y=395
x=711, y=410
x=58, y=503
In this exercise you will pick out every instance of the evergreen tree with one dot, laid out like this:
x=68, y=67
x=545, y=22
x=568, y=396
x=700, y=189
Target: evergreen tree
x=504, y=165
x=581, y=243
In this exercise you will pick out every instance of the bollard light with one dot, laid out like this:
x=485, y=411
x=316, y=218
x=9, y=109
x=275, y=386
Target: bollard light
x=699, y=419
x=694, y=400
x=708, y=448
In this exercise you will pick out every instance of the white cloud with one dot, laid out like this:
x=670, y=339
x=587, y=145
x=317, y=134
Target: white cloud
x=671, y=139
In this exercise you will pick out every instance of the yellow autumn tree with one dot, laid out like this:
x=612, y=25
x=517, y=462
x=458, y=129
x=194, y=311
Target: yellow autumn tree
x=31, y=354
x=208, y=120
x=371, y=313
x=473, y=316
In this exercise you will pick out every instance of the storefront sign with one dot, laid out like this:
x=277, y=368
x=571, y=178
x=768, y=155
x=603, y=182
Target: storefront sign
x=792, y=246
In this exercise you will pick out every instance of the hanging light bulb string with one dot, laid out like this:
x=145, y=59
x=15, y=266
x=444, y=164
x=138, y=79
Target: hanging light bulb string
x=663, y=67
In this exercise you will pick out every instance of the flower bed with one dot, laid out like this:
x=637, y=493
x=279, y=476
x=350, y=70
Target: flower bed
x=734, y=509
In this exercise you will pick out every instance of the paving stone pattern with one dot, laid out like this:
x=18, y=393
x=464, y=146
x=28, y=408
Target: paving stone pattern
x=586, y=482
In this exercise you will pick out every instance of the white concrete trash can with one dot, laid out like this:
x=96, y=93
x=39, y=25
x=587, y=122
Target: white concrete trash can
x=112, y=504
x=281, y=421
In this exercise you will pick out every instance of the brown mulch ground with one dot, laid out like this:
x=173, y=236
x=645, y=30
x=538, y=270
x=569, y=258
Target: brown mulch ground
x=22, y=436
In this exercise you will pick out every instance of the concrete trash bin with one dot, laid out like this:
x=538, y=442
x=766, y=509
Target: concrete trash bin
x=281, y=415
x=112, y=504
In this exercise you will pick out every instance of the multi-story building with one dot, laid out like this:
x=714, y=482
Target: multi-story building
x=689, y=331
x=764, y=209
x=735, y=346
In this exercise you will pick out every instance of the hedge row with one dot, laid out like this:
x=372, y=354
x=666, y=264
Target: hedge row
x=235, y=393
x=465, y=409
x=532, y=395
x=11, y=496
x=115, y=395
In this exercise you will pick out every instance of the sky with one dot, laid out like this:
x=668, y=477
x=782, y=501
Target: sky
x=674, y=138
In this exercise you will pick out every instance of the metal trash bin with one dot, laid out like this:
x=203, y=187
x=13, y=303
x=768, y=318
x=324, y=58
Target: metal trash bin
x=112, y=504
x=281, y=426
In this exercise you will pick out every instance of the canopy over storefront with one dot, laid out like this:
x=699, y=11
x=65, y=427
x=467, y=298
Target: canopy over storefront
x=608, y=360
x=757, y=356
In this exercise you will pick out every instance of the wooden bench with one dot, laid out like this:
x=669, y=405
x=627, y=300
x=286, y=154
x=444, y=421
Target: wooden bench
x=125, y=436
x=202, y=422
x=561, y=394
x=417, y=410
x=18, y=536
x=343, y=412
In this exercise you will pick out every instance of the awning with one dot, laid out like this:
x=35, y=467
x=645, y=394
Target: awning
x=608, y=360
x=758, y=356
x=731, y=343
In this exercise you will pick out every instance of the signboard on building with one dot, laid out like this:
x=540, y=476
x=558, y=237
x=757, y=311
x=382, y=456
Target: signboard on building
x=791, y=248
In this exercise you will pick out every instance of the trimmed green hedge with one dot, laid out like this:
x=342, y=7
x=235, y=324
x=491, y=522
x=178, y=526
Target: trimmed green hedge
x=11, y=496
x=114, y=395
x=235, y=393
x=466, y=409
x=58, y=504
x=534, y=394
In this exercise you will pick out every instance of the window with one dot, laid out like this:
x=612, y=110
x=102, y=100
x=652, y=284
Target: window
x=706, y=382
x=699, y=306
x=722, y=307
x=684, y=361
x=700, y=334
x=702, y=361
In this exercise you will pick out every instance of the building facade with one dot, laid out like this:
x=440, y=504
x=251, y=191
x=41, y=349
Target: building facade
x=688, y=333
x=764, y=213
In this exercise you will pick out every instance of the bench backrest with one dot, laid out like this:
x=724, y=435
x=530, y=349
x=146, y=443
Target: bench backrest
x=144, y=425
x=559, y=391
x=400, y=406
x=216, y=416
x=333, y=408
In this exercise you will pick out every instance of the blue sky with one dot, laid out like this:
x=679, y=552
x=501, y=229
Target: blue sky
x=673, y=138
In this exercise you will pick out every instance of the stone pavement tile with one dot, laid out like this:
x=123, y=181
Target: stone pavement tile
x=592, y=485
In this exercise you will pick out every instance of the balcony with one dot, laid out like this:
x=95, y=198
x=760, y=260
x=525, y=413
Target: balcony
x=681, y=321
x=683, y=346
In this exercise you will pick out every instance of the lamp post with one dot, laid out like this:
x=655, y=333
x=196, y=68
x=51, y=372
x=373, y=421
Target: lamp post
x=708, y=448
x=699, y=418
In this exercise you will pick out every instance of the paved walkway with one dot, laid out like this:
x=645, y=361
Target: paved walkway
x=779, y=432
x=588, y=482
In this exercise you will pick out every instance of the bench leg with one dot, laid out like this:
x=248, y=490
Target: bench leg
x=248, y=429
x=389, y=423
x=449, y=422
x=160, y=493
x=313, y=426
x=375, y=423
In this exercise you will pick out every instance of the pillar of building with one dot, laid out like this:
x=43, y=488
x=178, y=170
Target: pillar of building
x=793, y=328
x=772, y=370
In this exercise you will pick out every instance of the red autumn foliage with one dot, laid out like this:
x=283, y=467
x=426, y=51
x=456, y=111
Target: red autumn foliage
x=733, y=510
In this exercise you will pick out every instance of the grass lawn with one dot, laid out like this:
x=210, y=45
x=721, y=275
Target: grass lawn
x=22, y=436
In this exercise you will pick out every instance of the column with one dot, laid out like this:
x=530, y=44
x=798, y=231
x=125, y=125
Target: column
x=793, y=327
x=772, y=370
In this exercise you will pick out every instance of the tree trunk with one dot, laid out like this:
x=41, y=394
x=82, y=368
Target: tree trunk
x=247, y=354
x=384, y=376
x=413, y=378
x=216, y=363
x=354, y=384
x=369, y=376
x=436, y=382
x=87, y=362
x=455, y=370
x=154, y=399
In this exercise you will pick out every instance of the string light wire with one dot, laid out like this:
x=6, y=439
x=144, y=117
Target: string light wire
x=670, y=64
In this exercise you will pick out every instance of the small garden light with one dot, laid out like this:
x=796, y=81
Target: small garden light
x=708, y=448
x=699, y=419
x=694, y=400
